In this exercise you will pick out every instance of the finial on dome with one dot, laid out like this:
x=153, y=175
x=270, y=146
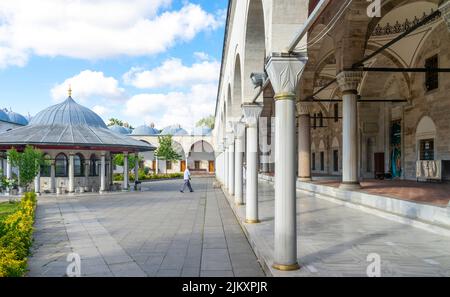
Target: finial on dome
x=70, y=91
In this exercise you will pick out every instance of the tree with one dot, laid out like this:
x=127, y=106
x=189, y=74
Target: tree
x=114, y=121
x=28, y=162
x=208, y=122
x=119, y=160
x=165, y=150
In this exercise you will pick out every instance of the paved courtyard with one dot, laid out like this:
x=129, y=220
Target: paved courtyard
x=160, y=232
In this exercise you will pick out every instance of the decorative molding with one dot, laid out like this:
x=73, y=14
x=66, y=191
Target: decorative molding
x=444, y=8
x=398, y=27
x=251, y=114
x=349, y=80
x=284, y=72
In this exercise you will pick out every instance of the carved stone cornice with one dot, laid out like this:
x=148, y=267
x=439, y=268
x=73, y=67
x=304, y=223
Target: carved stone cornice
x=444, y=8
x=284, y=73
x=348, y=81
x=303, y=108
x=251, y=114
x=239, y=129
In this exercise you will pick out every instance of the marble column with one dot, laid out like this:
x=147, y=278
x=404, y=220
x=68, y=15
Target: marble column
x=226, y=157
x=111, y=171
x=239, y=132
x=136, y=167
x=444, y=8
x=348, y=83
x=37, y=182
x=304, y=141
x=71, y=173
x=231, y=164
x=102, y=173
x=284, y=73
x=157, y=166
x=8, y=172
x=126, y=185
x=52, y=177
x=251, y=115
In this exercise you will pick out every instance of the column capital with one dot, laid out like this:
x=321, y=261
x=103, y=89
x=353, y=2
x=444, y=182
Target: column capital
x=304, y=108
x=444, y=8
x=239, y=129
x=348, y=81
x=251, y=113
x=284, y=72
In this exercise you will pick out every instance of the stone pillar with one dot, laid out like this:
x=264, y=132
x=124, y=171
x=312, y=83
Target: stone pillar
x=226, y=157
x=231, y=164
x=102, y=173
x=136, y=167
x=126, y=185
x=71, y=174
x=239, y=132
x=87, y=168
x=111, y=170
x=37, y=182
x=284, y=73
x=8, y=172
x=2, y=167
x=157, y=166
x=444, y=8
x=52, y=177
x=304, y=141
x=251, y=115
x=348, y=83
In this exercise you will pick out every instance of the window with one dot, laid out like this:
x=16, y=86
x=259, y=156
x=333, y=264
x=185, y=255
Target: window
x=169, y=165
x=78, y=163
x=313, y=161
x=315, y=121
x=432, y=78
x=61, y=166
x=197, y=165
x=427, y=149
x=335, y=160
x=322, y=161
x=320, y=119
x=336, y=112
x=93, y=171
x=46, y=167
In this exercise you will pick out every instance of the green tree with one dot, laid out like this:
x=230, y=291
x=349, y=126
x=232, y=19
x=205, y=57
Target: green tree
x=208, y=122
x=165, y=150
x=114, y=121
x=28, y=162
x=119, y=160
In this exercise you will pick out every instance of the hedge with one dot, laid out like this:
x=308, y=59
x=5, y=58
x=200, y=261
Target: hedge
x=16, y=238
x=143, y=177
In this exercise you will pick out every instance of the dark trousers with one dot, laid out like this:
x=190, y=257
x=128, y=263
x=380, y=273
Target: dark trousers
x=188, y=184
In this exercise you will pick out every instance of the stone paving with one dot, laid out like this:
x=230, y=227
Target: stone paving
x=157, y=232
x=335, y=240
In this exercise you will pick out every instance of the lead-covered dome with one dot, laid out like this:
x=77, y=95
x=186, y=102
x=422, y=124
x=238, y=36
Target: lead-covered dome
x=175, y=130
x=202, y=131
x=16, y=118
x=145, y=131
x=68, y=113
x=4, y=116
x=119, y=129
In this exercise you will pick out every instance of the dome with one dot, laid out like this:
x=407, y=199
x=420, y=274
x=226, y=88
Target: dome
x=4, y=116
x=119, y=129
x=145, y=130
x=17, y=118
x=174, y=130
x=202, y=131
x=68, y=113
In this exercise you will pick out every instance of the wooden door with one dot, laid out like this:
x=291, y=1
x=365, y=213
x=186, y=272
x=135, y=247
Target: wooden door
x=211, y=166
x=183, y=166
x=379, y=165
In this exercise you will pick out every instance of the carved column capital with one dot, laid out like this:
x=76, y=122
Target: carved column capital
x=239, y=129
x=303, y=108
x=284, y=73
x=251, y=114
x=444, y=8
x=348, y=81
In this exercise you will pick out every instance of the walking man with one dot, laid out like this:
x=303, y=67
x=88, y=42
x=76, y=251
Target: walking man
x=187, y=181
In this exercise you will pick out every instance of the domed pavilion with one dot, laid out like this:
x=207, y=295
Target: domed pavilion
x=77, y=144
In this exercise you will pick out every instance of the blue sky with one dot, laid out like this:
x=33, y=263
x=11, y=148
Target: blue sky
x=142, y=61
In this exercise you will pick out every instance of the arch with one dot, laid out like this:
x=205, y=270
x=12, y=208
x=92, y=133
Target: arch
x=61, y=165
x=179, y=149
x=78, y=162
x=335, y=143
x=255, y=47
x=237, y=87
x=426, y=139
x=201, y=146
x=426, y=128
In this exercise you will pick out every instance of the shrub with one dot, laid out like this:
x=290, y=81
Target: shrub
x=16, y=237
x=151, y=176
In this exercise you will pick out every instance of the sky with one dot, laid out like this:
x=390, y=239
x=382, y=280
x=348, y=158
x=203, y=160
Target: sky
x=142, y=61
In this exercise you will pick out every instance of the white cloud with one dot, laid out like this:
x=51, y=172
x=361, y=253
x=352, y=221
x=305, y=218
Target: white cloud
x=89, y=85
x=172, y=73
x=202, y=56
x=184, y=108
x=95, y=29
x=101, y=110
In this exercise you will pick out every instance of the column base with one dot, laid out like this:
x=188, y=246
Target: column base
x=283, y=267
x=305, y=178
x=252, y=221
x=350, y=186
x=239, y=204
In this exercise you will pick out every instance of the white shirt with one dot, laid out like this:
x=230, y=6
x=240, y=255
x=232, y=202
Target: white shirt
x=187, y=174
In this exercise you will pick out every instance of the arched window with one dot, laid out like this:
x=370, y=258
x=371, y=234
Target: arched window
x=61, y=165
x=78, y=164
x=320, y=119
x=93, y=166
x=46, y=166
